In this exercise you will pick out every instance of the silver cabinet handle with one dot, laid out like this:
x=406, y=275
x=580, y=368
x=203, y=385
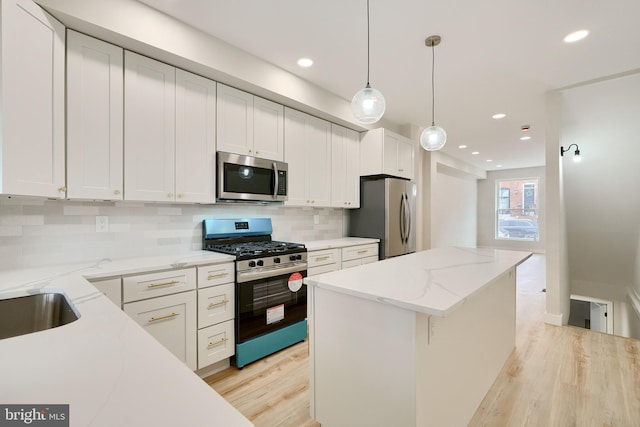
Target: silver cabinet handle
x=168, y=316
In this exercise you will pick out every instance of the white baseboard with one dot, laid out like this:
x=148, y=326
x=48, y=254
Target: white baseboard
x=553, y=319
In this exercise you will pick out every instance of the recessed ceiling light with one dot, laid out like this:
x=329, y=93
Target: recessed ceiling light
x=499, y=116
x=475, y=152
x=462, y=146
x=524, y=138
x=498, y=166
x=489, y=160
x=575, y=36
x=305, y=62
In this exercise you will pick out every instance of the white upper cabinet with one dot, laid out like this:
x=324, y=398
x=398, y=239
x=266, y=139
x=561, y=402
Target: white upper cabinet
x=169, y=133
x=32, y=105
x=94, y=118
x=149, y=129
x=345, y=167
x=195, y=138
x=308, y=155
x=249, y=125
x=387, y=153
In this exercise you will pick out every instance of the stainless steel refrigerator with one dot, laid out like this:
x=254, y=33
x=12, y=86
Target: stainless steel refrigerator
x=387, y=212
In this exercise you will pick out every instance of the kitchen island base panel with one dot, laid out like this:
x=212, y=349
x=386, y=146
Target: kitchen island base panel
x=374, y=364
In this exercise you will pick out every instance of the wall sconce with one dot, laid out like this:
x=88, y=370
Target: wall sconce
x=576, y=154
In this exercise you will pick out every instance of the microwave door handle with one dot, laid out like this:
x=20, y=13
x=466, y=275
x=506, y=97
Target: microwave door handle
x=275, y=181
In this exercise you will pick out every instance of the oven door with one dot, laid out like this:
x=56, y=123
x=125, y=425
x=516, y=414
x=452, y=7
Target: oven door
x=250, y=178
x=268, y=304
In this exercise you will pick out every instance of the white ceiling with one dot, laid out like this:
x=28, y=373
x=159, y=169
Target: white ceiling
x=495, y=56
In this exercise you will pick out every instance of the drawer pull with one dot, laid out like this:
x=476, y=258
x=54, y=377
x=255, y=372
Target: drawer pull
x=322, y=258
x=217, y=304
x=221, y=341
x=363, y=251
x=155, y=285
x=168, y=316
x=217, y=275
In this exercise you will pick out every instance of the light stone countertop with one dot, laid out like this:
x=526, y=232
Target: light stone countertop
x=316, y=245
x=107, y=368
x=434, y=282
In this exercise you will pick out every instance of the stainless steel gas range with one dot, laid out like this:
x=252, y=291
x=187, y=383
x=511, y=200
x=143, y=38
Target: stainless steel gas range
x=271, y=300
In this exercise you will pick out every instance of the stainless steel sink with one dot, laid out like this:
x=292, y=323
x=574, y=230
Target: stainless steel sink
x=32, y=313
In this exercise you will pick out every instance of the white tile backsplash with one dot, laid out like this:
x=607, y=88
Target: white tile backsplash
x=37, y=232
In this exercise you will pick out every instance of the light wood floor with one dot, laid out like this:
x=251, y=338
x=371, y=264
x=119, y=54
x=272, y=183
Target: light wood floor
x=556, y=376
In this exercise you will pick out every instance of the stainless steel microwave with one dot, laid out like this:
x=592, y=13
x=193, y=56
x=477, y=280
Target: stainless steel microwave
x=246, y=178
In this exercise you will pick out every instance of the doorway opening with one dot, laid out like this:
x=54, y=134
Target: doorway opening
x=591, y=313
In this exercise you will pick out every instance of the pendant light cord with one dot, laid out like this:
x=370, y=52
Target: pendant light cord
x=433, y=91
x=368, y=43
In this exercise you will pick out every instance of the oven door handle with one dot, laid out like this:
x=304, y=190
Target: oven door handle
x=248, y=276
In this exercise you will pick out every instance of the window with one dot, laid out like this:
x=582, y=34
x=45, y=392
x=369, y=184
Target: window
x=517, y=207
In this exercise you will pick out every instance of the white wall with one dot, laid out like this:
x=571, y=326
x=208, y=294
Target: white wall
x=450, y=201
x=47, y=232
x=487, y=210
x=601, y=194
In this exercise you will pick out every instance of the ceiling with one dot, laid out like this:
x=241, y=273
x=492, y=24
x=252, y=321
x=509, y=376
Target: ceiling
x=496, y=56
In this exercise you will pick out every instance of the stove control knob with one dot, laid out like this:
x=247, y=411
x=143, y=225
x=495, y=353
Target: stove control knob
x=298, y=257
x=292, y=257
x=260, y=263
x=252, y=263
x=276, y=260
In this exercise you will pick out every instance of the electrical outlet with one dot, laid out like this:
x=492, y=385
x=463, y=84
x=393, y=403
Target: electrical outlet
x=316, y=219
x=102, y=224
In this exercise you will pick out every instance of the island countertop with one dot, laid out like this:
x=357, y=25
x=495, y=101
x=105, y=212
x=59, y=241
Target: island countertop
x=433, y=282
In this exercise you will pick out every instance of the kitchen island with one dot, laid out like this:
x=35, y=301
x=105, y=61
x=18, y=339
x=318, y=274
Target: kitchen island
x=415, y=340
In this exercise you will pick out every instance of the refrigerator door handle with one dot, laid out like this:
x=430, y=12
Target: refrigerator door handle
x=404, y=234
x=408, y=220
x=402, y=218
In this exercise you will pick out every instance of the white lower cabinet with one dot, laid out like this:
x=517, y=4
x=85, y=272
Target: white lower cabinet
x=216, y=313
x=359, y=255
x=215, y=343
x=323, y=261
x=171, y=320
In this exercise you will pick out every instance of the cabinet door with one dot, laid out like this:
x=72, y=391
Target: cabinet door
x=195, y=138
x=172, y=321
x=33, y=110
x=390, y=154
x=216, y=304
x=318, y=162
x=235, y=121
x=215, y=343
x=149, y=129
x=345, y=161
x=405, y=158
x=94, y=118
x=268, y=129
x=308, y=155
x=295, y=156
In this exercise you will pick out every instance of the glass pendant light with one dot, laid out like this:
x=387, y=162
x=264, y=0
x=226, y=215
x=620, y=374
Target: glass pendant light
x=434, y=137
x=368, y=104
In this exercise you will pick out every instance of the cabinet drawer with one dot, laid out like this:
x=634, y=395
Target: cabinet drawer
x=215, y=343
x=111, y=288
x=171, y=320
x=361, y=251
x=370, y=259
x=351, y=263
x=212, y=275
x=152, y=285
x=215, y=304
x=323, y=257
x=322, y=269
